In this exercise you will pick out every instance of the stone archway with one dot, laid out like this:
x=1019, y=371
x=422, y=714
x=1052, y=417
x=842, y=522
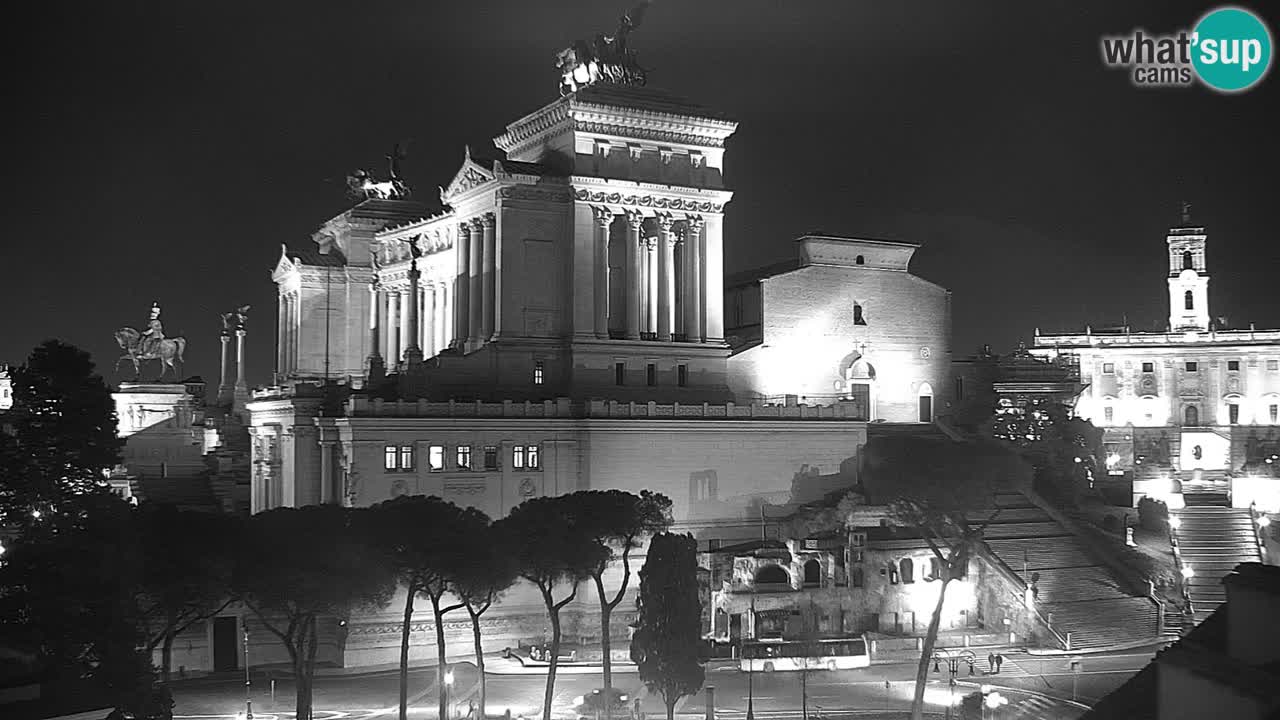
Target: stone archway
x=859, y=383
x=925, y=403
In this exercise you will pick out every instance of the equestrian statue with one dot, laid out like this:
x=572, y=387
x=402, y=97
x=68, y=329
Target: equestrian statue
x=150, y=344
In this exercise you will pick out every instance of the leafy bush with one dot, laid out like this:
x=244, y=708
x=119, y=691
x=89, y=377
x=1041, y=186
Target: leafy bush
x=1153, y=514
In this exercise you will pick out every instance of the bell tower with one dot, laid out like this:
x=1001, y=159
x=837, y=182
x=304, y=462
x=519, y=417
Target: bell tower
x=1188, y=276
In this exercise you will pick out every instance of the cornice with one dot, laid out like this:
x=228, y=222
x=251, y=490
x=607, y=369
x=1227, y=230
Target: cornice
x=656, y=197
x=535, y=124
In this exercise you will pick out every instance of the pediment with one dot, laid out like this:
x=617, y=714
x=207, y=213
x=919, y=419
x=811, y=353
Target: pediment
x=472, y=174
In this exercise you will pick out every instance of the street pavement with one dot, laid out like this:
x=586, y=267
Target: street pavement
x=1039, y=688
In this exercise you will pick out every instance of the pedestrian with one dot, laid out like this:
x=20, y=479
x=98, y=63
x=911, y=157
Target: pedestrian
x=999, y=662
x=991, y=663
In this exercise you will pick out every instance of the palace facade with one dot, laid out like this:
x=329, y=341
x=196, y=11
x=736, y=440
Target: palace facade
x=1199, y=400
x=560, y=325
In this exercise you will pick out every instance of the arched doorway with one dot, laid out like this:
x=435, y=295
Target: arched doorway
x=860, y=379
x=813, y=572
x=925, y=396
x=772, y=575
x=1191, y=416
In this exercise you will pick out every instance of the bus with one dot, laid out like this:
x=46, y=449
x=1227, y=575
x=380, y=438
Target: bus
x=771, y=655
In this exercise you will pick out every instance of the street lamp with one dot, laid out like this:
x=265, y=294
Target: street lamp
x=953, y=668
x=448, y=690
x=248, y=702
x=751, y=715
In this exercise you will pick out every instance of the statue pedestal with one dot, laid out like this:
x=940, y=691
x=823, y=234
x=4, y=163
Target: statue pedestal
x=161, y=424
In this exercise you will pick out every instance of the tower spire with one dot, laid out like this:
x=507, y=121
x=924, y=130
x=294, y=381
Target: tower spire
x=1186, y=213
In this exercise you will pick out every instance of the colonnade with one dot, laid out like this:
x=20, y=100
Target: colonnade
x=432, y=304
x=654, y=282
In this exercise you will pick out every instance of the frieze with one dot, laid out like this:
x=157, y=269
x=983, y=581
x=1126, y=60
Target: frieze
x=465, y=488
x=642, y=133
x=521, y=192
x=649, y=201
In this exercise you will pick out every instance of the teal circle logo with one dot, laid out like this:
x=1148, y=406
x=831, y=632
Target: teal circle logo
x=1231, y=49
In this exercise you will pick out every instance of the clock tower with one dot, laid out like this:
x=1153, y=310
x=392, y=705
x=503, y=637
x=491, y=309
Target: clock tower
x=1188, y=277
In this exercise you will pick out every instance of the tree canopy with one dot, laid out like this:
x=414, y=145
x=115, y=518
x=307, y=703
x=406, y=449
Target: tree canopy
x=667, y=643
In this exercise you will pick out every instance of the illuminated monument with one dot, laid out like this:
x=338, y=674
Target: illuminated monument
x=1198, y=401
x=559, y=325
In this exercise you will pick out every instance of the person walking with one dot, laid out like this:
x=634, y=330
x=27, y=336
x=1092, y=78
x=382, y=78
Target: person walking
x=999, y=662
x=991, y=663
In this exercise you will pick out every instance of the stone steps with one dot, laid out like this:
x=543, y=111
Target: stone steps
x=1212, y=541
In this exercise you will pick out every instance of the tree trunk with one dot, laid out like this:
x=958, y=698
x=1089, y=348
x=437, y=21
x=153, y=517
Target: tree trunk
x=404, y=653
x=475, y=635
x=926, y=652
x=606, y=659
x=441, y=670
x=671, y=707
x=166, y=655
x=301, y=674
x=554, y=613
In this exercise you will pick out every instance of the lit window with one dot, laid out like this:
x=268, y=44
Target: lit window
x=1188, y=300
x=517, y=457
x=464, y=457
x=1108, y=368
x=1233, y=413
x=389, y=457
x=619, y=373
x=538, y=368
x=1192, y=366
x=490, y=457
x=1109, y=415
x=1233, y=365
x=435, y=458
x=406, y=457
x=532, y=457
x=651, y=374
x=1148, y=367
x=682, y=375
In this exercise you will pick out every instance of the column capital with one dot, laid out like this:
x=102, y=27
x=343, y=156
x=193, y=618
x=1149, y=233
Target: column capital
x=635, y=219
x=464, y=228
x=603, y=216
x=488, y=220
x=695, y=222
x=476, y=224
x=665, y=221
x=240, y=333
x=650, y=243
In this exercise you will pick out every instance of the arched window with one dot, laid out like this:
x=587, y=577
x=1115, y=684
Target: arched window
x=1191, y=416
x=772, y=575
x=935, y=569
x=856, y=577
x=908, y=570
x=1188, y=261
x=1188, y=300
x=812, y=572
x=859, y=260
x=858, y=319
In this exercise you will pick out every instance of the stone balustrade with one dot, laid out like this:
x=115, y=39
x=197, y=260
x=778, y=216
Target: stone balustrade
x=1159, y=339
x=597, y=409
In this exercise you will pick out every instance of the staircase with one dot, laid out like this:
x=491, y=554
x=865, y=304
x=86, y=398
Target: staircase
x=1212, y=540
x=1080, y=596
x=1203, y=488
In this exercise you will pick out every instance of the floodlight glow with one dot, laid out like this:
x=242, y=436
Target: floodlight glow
x=579, y=700
x=986, y=689
x=1263, y=521
x=995, y=700
x=1112, y=460
x=448, y=677
x=35, y=514
x=1175, y=522
x=1187, y=572
x=940, y=696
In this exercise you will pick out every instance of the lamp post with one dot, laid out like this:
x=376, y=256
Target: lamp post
x=953, y=669
x=751, y=715
x=248, y=701
x=448, y=691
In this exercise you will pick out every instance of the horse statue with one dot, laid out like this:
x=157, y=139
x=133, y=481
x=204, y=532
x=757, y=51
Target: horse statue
x=362, y=185
x=166, y=351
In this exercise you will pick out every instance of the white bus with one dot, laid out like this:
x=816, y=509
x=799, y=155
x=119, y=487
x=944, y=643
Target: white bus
x=771, y=655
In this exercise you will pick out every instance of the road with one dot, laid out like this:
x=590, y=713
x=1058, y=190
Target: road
x=1037, y=687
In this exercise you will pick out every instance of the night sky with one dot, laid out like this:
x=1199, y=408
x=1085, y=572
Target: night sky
x=165, y=150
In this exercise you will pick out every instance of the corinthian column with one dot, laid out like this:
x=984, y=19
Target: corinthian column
x=634, y=270
x=651, y=277
x=412, y=350
x=475, y=321
x=393, y=327
x=489, y=278
x=224, y=385
x=666, y=278
x=461, y=288
x=693, y=271
x=603, y=218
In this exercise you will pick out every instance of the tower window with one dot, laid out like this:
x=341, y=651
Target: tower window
x=1108, y=368
x=1188, y=300
x=857, y=315
x=1109, y=414
x=538, y=369
x=1188, y=261
x=1148, y=367
x=1233, y=365
x=619, y=373
x=1192, y=366
x=859, y=260
x=1273, y=411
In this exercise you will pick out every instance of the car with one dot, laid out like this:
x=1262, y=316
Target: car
x=594, y=702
